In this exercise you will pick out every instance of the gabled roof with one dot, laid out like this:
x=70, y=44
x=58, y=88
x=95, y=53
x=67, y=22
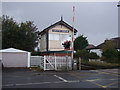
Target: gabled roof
x=100, y=46
x=11, y=50
x=90, y=46
x=115, y=40
x=61, y=22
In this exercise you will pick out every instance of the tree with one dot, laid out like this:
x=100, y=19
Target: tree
x=80, y=43
x=84, y=54
x=9, y=32
x=22, y=36
x=28, y=33
x=108, y=44
x=109, y=53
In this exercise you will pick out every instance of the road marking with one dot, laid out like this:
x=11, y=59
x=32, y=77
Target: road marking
x=111, y=84
x=61, y=78
x=31, y=83
x=92, y=80
x=95, y=83
x=7, y=85
x=74, y=81
x=103, y=86
x=106, y=72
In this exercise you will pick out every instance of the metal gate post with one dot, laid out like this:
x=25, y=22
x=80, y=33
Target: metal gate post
x=79, y=63
x=66, y=63
x=55, y=63
x=44, y=63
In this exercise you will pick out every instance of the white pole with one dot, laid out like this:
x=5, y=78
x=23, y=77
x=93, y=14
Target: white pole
x=44, y=63
x=29, y=58
x=73, y=32
x=72, y=56
x=55, y=63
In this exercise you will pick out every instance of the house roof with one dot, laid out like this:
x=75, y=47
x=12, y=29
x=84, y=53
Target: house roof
x=61, y=22
x=90, y=46
x=11, y=50
x=100, y=46
x=115, y=40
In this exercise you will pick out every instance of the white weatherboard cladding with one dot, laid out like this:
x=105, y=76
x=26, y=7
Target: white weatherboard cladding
x=60, y=27
x=57, y=35
x=43, y=43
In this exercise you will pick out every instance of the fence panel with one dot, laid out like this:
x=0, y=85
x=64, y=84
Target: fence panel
x=49, y=63
x=58, y=63
x=36, y=61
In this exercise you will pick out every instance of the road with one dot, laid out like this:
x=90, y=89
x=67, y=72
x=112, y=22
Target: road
x=25, y=78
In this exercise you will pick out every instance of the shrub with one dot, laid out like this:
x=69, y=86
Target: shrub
x=109, y=53
x=93, y=55
x=85, y=55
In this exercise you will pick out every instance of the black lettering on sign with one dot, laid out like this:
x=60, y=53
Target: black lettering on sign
x=64, y=31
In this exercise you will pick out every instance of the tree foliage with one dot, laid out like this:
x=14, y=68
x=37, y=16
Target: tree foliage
x=22, y=36
x=80, y=43
x=86, y=55
x=93, y=55
x=108, y=44
x=109, y=53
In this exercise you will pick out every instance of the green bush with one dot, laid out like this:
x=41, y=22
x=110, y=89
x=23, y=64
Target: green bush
x=93, y=55
x=111, y=56
x=109, y=53
x=86, y=55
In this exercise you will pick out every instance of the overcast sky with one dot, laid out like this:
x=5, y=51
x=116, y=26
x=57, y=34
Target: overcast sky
x=95, y=20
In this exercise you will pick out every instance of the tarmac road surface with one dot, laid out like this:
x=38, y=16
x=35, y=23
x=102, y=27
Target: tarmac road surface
x=26, y=78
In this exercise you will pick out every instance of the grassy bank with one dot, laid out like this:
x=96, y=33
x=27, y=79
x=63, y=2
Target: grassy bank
x=99, y=65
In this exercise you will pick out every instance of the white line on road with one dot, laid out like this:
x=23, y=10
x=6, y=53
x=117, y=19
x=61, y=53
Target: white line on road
x=31, y=83
x=8, y=85
x=61, y=78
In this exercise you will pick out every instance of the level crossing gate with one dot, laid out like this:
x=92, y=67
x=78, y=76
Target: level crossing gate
x=57, y=63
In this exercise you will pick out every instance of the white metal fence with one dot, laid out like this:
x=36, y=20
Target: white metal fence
x=52, y=62
x=37, y=61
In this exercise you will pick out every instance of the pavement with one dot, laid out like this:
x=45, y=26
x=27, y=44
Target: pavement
x=26, y=78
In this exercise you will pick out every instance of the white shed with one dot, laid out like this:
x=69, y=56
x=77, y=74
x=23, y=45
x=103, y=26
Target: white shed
x=12, y=57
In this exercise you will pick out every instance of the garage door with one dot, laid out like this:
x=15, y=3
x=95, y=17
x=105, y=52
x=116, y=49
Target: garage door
x=15, y=59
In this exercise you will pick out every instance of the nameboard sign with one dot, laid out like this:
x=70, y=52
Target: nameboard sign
x=63, y=31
